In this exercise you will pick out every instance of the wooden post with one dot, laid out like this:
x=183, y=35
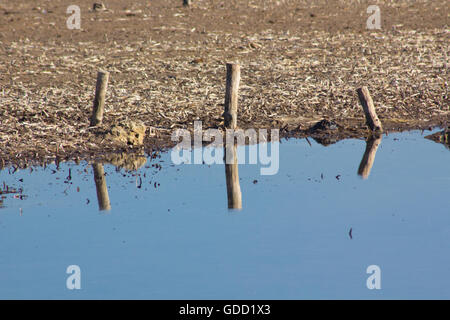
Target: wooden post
x=99, y=100
x=366, y=164
x=369, y=109
x=101, y=187
x=232, y=177
x=231, y=95
x=186, y=3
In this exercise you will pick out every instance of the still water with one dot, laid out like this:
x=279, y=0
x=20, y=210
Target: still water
x=170, y=235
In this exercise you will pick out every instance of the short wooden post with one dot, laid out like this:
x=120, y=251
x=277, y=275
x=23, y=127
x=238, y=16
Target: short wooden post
x=99, y=100
x=369, y=110
x=368, y=159
x=101, y=187
x=186, y=3
x=231, y=95
x=232, y=177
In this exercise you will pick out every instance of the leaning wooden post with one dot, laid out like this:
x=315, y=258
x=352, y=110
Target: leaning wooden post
x=368, y=159
x=101, y=187
x=231, y=95
x=369, y=110
x=186, y=3
x=232, y=177
x=99, y=100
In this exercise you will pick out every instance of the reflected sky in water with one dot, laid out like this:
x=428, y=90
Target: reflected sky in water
x=176, y=239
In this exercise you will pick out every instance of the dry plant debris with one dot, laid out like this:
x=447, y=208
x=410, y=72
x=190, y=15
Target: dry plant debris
x=301, y=62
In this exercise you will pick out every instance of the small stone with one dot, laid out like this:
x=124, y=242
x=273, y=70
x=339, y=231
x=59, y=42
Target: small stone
x=131, y=133
x=98, y=6
x=323, y=125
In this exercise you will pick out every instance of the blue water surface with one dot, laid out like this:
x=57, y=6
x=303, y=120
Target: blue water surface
x=291, y=239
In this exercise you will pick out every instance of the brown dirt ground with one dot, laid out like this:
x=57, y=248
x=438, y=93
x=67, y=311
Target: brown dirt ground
x=301, y=61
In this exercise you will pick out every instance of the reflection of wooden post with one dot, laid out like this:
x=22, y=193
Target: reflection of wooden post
x=232, y=176
x=366, y=164
x=99, y=100
x=102, y=189
x=231, y=95
x=446, y=132
x=369, y=109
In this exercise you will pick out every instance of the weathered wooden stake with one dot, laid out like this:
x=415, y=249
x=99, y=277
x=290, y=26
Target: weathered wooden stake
x=102, y=189
x=99, y=100
x=232, y=177
x=231, y=95
x=366, y=164
x=369, y=110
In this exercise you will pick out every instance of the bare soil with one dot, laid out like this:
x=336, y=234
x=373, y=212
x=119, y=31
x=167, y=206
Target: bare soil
x=301, y=61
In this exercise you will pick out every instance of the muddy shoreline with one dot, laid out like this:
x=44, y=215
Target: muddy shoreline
x=125, y=156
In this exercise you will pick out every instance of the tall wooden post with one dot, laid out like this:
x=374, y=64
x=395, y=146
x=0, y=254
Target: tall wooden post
x=101, y=187
x=368, y=159
x=369, y=110
x=231, y=95
x=99, y=100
